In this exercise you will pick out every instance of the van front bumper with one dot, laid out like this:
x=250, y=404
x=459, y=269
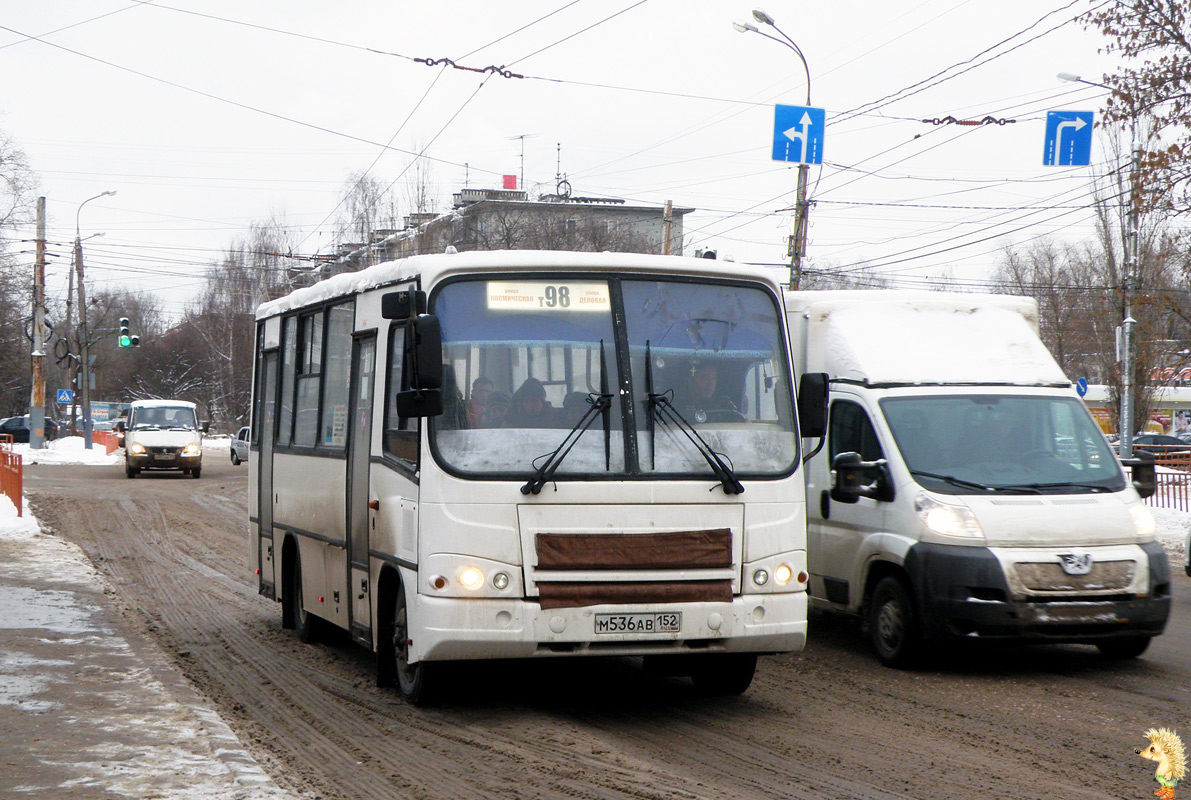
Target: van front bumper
x=963, y=592
x=165, y=459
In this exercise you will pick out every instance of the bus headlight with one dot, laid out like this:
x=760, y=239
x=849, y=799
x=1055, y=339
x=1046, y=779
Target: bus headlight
x=501, y=580
x=947, y=520
x=783, y=574
x=471, y=578
x=760, y=577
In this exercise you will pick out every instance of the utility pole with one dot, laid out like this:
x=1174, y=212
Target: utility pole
x=37, y=397
x=84, y=347
x=801, y=212
x=667, y=225
x=1132, y=258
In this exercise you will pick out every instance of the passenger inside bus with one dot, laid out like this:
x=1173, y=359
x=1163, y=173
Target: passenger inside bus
x=477, y=404
x=530, y=409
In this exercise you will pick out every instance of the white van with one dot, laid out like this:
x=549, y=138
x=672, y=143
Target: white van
x=163, y=434
x=964, y=491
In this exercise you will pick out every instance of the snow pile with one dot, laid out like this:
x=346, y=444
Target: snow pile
x=73, y=450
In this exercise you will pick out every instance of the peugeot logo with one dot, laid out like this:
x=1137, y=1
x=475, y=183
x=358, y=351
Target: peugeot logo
x=1076, y=563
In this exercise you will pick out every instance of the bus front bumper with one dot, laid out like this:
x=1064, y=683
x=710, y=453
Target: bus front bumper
x=482, y=629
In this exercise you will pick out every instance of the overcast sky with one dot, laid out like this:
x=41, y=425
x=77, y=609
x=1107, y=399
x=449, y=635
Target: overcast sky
x=205, y=117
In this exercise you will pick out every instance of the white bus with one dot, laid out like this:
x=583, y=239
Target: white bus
x=534, y=454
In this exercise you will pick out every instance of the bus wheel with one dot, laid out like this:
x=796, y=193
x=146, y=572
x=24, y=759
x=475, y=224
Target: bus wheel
x=731, y=673
x=892, y=624
x=415, y=682
x=305, y=623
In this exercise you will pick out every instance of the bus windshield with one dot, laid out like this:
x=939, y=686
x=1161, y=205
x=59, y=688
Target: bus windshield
x=526, y=360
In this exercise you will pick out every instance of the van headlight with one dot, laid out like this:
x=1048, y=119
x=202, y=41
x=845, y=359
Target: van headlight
x=137, y=449
x=946, y=519
x=191, y=449
x=1143, y=521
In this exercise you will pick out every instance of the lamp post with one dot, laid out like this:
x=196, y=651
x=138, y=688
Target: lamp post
x=797, y=249
x=1129, y=245
x=84, y=345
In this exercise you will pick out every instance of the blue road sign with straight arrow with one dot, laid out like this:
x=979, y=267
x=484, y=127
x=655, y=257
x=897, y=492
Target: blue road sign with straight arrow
x=798, y=134
x=1068, y=138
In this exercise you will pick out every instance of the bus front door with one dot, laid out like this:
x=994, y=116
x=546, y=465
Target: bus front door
x=358, y=459
x=265, y=415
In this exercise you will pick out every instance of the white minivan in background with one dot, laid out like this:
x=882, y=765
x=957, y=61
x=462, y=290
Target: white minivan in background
x=163, y=434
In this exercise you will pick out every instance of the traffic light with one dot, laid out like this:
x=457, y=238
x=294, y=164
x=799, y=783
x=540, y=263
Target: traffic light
x=125, y=338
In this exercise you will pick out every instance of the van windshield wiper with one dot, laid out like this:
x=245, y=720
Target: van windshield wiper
x=1091, y=487
x=982, y=487
x=662, y=409
x=600, y=404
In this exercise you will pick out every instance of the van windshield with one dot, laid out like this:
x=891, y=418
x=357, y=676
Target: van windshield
x=1041, y=444
x=164, y=417
x=531, y=361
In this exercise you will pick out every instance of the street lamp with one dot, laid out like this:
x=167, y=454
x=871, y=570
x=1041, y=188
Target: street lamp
x=1129, y=245
x=797, y=250
x=84, y=346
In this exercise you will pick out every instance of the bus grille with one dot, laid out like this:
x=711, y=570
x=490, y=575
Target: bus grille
x=585, y=553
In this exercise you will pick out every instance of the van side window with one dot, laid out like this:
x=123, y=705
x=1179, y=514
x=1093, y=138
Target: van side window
x=401, y=433
x=851, y=431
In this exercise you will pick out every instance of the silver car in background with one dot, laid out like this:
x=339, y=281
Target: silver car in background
x=240, y=444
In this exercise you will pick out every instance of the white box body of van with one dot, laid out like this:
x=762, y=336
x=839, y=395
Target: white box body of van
x=1004, y=513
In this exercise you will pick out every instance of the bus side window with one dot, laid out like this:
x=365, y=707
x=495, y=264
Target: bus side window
x=401, y=433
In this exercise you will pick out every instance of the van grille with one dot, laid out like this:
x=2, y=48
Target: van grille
x=1106, y=576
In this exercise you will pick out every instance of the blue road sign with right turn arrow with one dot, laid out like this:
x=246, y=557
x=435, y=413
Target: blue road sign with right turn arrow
x=1068, y=138
x=798, y=134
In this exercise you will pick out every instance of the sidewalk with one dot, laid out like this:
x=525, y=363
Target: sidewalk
x=89, y=706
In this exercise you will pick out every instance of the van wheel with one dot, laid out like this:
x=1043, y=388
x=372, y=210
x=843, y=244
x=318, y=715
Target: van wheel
x=1130, y=647
x=131, y=471
x=235, y=459
x=417, y=683
x=197, y=472
x=893, y=624
x=306, y=624
x=731, y=673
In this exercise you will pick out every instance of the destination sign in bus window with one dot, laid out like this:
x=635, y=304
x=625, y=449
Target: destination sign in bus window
x=548, y=296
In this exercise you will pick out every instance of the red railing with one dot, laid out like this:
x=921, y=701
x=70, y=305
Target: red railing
x=11, y=472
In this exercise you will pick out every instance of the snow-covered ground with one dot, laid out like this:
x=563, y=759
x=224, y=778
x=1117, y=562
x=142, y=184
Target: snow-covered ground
x=72, y=450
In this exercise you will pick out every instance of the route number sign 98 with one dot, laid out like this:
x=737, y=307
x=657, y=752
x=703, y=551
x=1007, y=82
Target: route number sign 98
x=556, y=296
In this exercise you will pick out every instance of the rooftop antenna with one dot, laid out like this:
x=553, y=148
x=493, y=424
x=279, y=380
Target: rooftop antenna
x=466, y=175
x=522, y=137
x=562, y=187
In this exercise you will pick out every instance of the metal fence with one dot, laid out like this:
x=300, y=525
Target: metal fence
x=11, y=472
x=1172, y=478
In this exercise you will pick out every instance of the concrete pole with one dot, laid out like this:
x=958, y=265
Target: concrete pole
x=84, y=347
x=37, y=396
x=667, y=225
x=1132, y=258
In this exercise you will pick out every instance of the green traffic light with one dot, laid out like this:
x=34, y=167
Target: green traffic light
x=125, y=340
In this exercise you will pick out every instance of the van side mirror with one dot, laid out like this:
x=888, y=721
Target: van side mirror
x=205, y=425
x=812, y=405
x=119, y=426
x=1141, y=470
x=856, y=478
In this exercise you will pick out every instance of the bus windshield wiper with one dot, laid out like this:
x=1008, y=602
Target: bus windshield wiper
x=600, y=404
x=661, y=408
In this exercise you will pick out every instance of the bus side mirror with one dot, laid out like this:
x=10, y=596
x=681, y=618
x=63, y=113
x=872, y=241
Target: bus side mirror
x=1141, y=470
x=413, y=403
x=425, y=351
x=812, y=405
x=856, y=478
x=403, y=304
